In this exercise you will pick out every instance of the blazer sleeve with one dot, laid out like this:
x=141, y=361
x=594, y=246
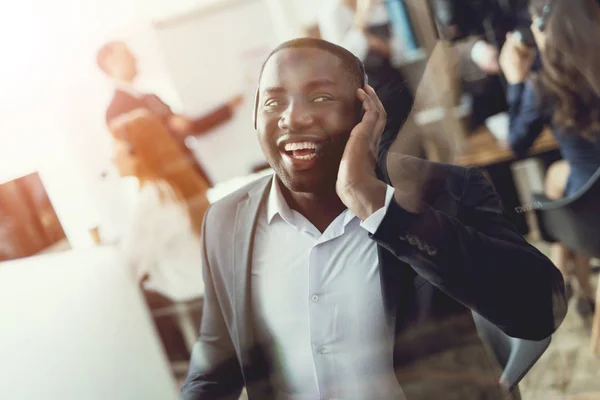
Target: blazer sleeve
x=214, y=372
x=526, y=120
x=216, y=117
x=479, y=260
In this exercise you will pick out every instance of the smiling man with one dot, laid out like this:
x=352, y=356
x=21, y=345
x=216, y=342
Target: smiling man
x=325, y=280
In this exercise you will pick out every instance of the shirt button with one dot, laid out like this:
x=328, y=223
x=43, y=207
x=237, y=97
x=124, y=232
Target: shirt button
x=321, y=350
x=315, y=298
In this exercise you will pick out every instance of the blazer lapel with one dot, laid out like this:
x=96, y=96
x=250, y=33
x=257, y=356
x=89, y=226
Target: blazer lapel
x=243, y=241
x=397, y=287
x=389, y=274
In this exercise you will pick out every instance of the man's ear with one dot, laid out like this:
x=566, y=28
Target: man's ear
x=255, y=109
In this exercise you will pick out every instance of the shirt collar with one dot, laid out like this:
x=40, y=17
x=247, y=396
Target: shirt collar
x=276, y=204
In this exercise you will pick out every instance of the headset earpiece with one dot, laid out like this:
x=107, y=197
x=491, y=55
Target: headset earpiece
x=543, y=19
x=255, y=116
x=365, y=82
x=365, y=77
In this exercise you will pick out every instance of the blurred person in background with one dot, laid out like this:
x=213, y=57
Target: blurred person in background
x=117, y=61
x=162, y=243
x=479, y=29
x=363, y=27
x=564, y=93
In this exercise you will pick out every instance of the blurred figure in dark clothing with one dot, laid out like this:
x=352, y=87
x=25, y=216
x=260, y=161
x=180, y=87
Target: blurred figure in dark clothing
x=479, y=29
x=117, y=61
x=364, y=29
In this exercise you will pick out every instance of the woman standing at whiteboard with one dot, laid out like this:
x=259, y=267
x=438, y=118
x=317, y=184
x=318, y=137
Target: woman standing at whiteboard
x=363, y=27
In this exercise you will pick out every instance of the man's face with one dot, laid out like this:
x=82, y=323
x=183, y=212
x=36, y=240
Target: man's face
x=307, y=107
x=121, y=63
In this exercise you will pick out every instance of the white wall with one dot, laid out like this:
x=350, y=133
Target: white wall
x=291, y=17
x=211, y=57
x=53, y=99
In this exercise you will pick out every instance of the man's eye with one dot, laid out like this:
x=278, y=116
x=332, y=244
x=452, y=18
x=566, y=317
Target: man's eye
x=321, y=99
x=272, y=103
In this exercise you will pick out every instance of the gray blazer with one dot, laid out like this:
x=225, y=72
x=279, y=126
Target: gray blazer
x=459, y=254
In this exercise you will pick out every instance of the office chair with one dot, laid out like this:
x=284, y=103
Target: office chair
x=575, y=222
x=516, y=356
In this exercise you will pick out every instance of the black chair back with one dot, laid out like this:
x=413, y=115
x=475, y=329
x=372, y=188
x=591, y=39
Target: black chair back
x=573, y=221
x=516, y=356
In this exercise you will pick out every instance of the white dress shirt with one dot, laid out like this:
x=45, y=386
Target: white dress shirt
x=160, y=241
x=319, y=306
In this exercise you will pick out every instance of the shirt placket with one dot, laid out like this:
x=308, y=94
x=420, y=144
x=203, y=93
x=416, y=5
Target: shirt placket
x=322, y=321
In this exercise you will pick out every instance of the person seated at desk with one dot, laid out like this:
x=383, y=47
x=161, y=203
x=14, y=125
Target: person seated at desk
x=363, y=27
x=565, y=94
x=117, y=61
x=478, y=29
x=321, y=279
x=162, y=243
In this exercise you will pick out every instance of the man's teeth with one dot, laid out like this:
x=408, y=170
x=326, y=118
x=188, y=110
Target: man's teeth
x=307, y=157
x=300, y=146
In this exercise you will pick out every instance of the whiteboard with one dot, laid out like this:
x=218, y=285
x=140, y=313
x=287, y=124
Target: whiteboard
x=212, y=56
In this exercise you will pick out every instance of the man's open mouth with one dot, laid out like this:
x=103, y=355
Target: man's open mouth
x=301, y=150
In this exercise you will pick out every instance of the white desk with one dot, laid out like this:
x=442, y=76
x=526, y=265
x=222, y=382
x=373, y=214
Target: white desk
x=75, y=327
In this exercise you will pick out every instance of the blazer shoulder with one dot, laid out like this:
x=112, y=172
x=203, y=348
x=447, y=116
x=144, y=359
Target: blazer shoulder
x=227, y=205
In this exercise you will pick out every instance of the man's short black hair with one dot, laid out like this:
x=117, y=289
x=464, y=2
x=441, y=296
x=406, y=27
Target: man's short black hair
x=350, y=62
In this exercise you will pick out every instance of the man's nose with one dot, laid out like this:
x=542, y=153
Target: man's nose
x=296, y=117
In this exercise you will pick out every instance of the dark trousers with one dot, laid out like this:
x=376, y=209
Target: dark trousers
x=167, y=326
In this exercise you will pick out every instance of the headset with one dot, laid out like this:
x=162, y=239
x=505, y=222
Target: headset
x=542, y=21
x=364, y=82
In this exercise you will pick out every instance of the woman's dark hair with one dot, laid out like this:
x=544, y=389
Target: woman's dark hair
x=570, y=78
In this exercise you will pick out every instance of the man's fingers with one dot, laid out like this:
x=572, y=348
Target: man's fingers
x=375, y=118
x=376, y=100
x=371, y=112
x=372, y=103
x=381, y=114
x=381, y=121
